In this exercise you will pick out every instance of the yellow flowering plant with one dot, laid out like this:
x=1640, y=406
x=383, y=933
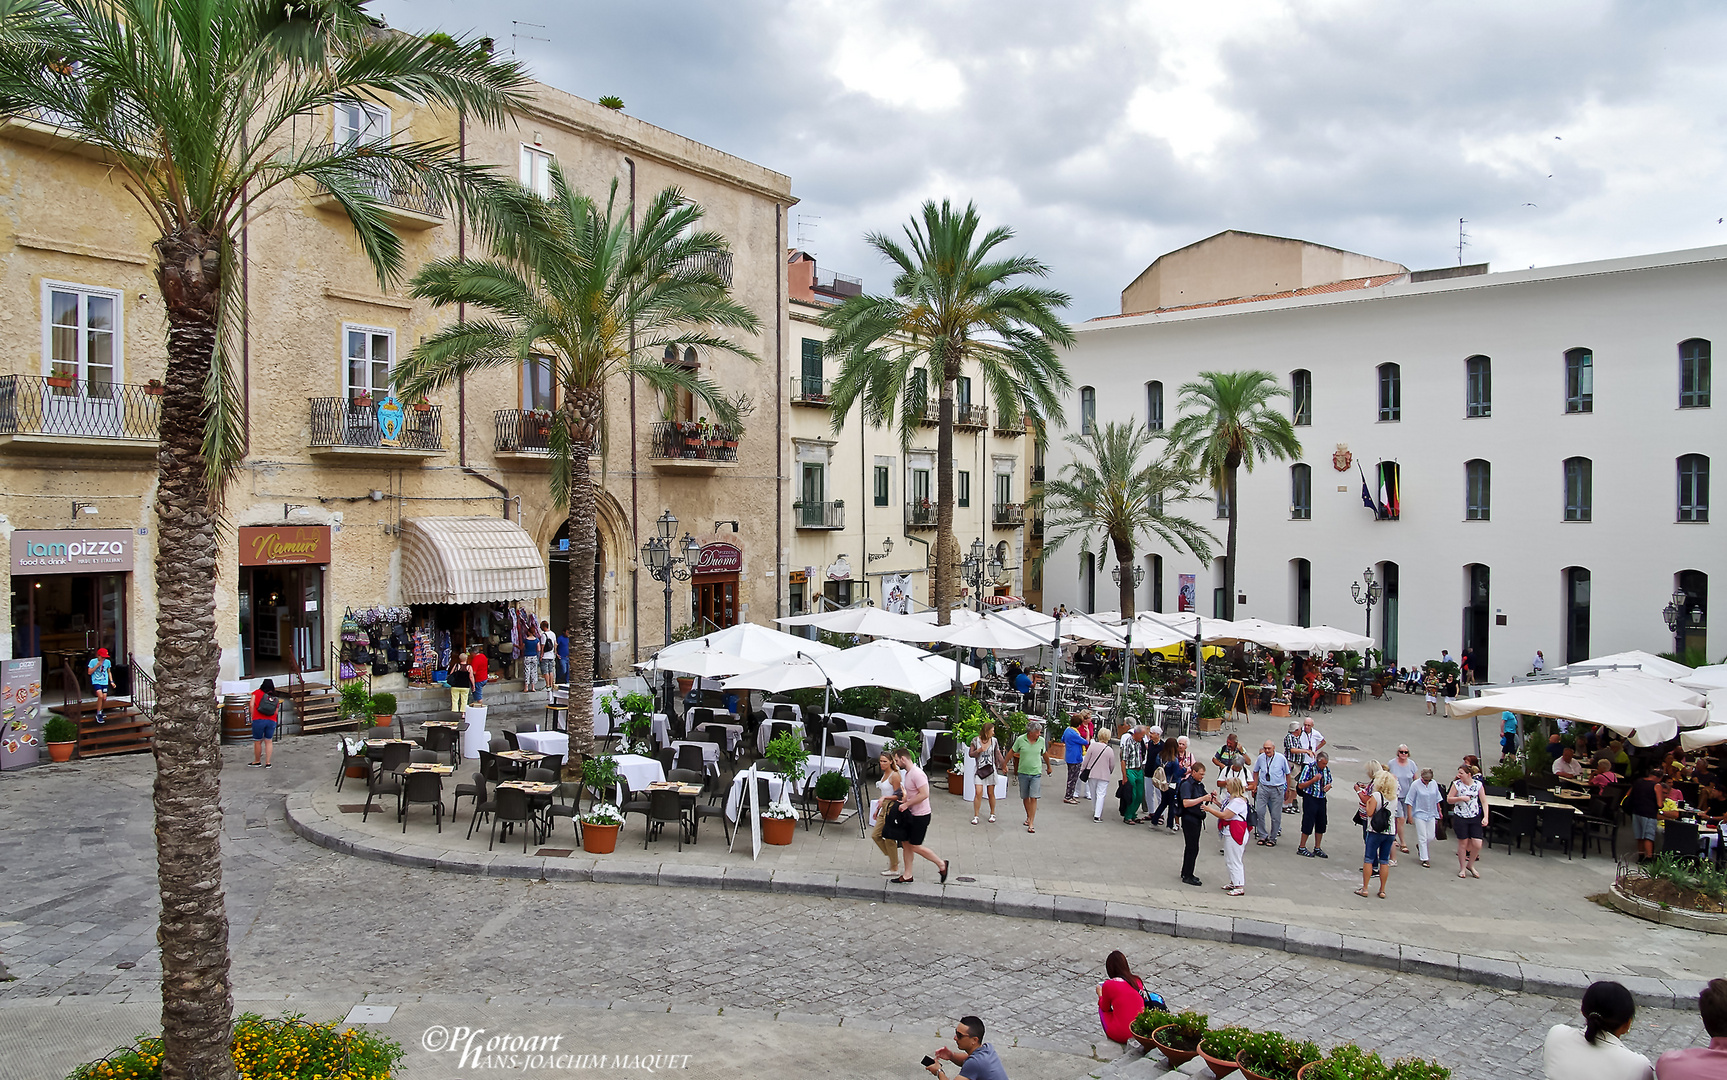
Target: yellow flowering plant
x=283, y=1048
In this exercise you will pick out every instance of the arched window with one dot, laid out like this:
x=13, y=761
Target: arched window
x=671, y=354
x=1301, y=397
x=1478, y=386
x=1694, y=487
x=1576, y=614
x=1579, y=381
x=1154, y=405
x=1579, y=489
x=1390, y=392
x=1478, y=490
x=1301, y=592
x=1694, y=374
x=1300, y=493
x=1087, y=410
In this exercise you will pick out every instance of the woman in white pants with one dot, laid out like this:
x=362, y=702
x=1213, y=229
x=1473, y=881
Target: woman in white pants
x=1233, y=817
x=1100, y=767
x=1421, y=808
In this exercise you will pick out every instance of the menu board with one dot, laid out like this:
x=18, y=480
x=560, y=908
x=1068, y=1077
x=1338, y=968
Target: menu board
x=21, y=712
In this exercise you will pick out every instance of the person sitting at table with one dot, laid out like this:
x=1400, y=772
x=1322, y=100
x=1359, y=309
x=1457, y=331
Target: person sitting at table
x=1603, y=774
x=1617, y=755
x=1568, y=766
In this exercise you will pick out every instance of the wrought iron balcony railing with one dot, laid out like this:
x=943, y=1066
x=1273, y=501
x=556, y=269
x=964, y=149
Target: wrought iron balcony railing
x=821, y=515
x=402, y=192
x=1009, y=424
x=89, y=408
x=339, y=422
x=1007, y=514
x=809, y=390
x=920, y=514
x=967, y=415
x=523, y=431
x=683, y=440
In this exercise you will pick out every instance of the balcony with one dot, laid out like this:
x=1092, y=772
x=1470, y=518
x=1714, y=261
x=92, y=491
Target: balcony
x=812, y=392
x=1037, y=526
x=408, y=203
x=837, y=286
x=1009, y=425
x=820, y=515
x=677, y=445
x=969, y=416
x=1007, y=515
x=342, y=427
x=59, y=415
x=1037, y=474
x=920, y=514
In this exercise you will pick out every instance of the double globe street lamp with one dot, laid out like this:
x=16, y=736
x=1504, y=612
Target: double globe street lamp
x=665, y=566
x=980, y=568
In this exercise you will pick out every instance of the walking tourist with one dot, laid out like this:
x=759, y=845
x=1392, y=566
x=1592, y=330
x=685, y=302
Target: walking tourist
x=986, y=762
x=265, y=706
x=1120, y=998
x=1233, y=816
x=1507, y=734
x=977, y=1060
x=1149, y=792
x=1271, y=773
x=1030, y=766
x=101, y=670
x=1173, y=773
x=563, y=658
x=1293, y=751
x=548, y=655
x=1430, y=691
x=1595, y=1053
x=531, y=663
x=1468, y=802
x=460, y=680
x=1190, y=799
x=913, y=817
x=1379, y=807
x=1135, y=746
x=889, y=798
x=1228, y=752
x=1404, y=770
x=479, y=665
x=1421, y=810
x=1701, y=1062
x=1313, y=784
x=1074, y=741
x=1644, y=806
x=1099, y=771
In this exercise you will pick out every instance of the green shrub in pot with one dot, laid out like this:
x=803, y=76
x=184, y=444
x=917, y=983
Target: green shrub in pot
x=789, y=755
x=1417, y=1069
x=1224, y=1042
x=832, y=786
x=1271, y=1055
x=59, y=729
x=1348, y=1062
x=1184, y=1029
x=383, y=704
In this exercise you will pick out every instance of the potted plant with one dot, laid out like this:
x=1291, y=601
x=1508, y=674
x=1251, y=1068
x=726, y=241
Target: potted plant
x=422, y=405
x=155, y=388
x=1211, y=713
x=967, y=721
x=600, y=825
x=61, y=735
x=1177, y=1037
x=831, y=792
x=786, y=752
x=637, y=710
x=600, y=775
x=383, y=708
x=353, y=702
x=779, y=824
x=1219, y=1047
x=60, y=382
x=1346, y=1062
x=1279, y=695
x=1267, y=1055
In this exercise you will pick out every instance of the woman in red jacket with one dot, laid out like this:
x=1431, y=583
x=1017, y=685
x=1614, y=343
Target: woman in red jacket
x=1120, y=998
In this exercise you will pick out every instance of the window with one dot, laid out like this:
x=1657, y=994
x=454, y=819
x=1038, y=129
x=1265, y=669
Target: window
x=881, y=482
x=1694, y=488
x=1579, y=381
x=962, y=391
x=538, y=386
x=1477, y=491
x=814, y=488
x=1390, y=392
x=358, y=122
x=1154, y=405
x=920, y=487
x=1156, y=582
x=82, y=338
x=1578, y=484
x=1157, y=503
x=964, y=489
x=1478, y=379
x=1301, y=585
x=1694, y=374
x=1576, y=614
x=370, y=354
x=1087, y=410
x=1301, y=395
x=1222, y=503
x=1003, y=489
x=812, y=367
x=536, y=171
x=1300, y=493
x=1087, y=582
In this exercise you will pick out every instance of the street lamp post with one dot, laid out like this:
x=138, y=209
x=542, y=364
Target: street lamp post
x=1674, y=614
x=1138, y=579
x=1367, y=595
x=664, y=566
x=979, y=569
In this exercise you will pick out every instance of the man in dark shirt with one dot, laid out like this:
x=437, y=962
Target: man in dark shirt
x=1644, y=806
x=1191, y=796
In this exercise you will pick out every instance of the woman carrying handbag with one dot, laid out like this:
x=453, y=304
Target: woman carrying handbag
x=984, y=753
x=1098, y=771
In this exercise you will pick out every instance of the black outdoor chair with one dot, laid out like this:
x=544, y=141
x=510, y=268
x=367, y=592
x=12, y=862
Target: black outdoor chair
x=510, y=806
x=691, y=758
x=1557, y=825
x=395, y=757
x=426, y=788
x=1525, y=821
x=498, y=744
x=382, y=782
x=1598, y=825
x=1680, y=838
x=484, y=803
x=665, y=807
x=713, y=787
x=475, y=791
x=421, y=756
x=667, y=759
x=558, y=808
x=634, y=802
x=350, y=759
x=442, y=740
x=510, y=739
x=941, y=755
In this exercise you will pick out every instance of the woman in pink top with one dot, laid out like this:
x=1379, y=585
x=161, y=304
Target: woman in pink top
x=911, y=823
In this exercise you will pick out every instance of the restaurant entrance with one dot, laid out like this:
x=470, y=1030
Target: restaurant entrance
x=282, y=598
x=714, y=587
x=65, y=618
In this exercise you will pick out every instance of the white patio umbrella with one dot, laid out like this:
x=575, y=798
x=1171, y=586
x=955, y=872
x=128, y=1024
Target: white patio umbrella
x=1707, y=735
x=1706, y=678
x=1576, y=700
x=1336, y=639
x=1648, y=662
x=751, y=643
x=988, y=633
x=1092, y=630
x=892, y=665
x=952, y=670
x=1151, y=634
x=866, y=621
x=795, y=673
x=1027, y=619
x=701, y=661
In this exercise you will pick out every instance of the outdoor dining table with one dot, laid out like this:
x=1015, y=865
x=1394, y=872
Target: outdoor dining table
x=739, y=792
x=638, y=771
x=555, y=743
x=929, y=737
x=859, y=723
x=453, y=725
x=843, y=740
x=426, y=767
x=710, y=751
x=526, y=757
x=762, y=732
x=381, y=743
x=532, y=788
x=772, y=708
x=1504, y=802
x=734, y=732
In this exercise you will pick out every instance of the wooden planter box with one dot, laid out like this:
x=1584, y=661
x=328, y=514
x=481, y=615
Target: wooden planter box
x=1280, y=708
x=1345, y=697
x=1210, y=723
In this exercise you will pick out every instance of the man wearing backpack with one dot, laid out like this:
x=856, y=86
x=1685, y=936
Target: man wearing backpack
x=265, y=706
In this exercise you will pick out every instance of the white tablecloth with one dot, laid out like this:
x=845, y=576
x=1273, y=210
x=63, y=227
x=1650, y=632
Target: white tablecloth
x=475, y=738
x=770, y=707
x=762, y=732
x=662, y=729
x=971, y=781
x=734, y=732
x=710, y=751
x=735, y=798
x=929, y=735
x=638, y=771
x=602, y=722
x=859, y=723
x=545, y=742
x=843, y=741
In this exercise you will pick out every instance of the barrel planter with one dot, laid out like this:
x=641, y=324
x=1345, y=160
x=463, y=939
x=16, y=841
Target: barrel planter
x=237, y=718
x=1176, y=1058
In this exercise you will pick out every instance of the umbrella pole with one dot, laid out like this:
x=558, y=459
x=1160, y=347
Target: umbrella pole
x=1055, y=669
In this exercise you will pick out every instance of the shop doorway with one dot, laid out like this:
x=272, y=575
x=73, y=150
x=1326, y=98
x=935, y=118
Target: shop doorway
x=281, y=619
x=65, y=618
x=716, y=603
x=1477, y=616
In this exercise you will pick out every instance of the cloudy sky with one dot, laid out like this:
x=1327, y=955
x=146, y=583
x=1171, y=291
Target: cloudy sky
x=1108, y=133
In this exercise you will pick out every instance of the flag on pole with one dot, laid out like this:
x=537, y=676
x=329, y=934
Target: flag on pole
x=1367, y=494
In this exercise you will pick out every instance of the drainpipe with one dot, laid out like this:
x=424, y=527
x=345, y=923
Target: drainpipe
x=780, y=589
x=635, y=476
x=462, y=317
x=245, y=312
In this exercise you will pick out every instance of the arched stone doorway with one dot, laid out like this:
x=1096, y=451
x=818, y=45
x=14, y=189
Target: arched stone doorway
x=610, y=616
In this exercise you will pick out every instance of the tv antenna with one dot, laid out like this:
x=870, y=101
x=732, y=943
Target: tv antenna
x=807, y=223
x=516, y=34
x=1462, y=240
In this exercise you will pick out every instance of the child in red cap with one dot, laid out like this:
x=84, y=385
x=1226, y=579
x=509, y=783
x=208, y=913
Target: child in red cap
x=101, y=675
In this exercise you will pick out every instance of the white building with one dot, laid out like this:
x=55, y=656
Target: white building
x=863, y=506
x=1544, y=434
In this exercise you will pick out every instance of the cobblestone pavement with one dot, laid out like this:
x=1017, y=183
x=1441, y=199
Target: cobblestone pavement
x=78, y=857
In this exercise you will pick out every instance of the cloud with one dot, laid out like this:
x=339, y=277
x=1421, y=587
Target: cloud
x=1108, y=133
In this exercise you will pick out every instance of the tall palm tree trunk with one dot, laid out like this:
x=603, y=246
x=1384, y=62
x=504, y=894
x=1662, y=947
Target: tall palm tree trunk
x=946, y=545
x=197, y=999
x=1124, y=559
x=583, y=425
x=1229, y=548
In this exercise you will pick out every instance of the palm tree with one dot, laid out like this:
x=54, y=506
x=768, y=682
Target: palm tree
x=601, y=298
x=196, y=102
x=1115, y=495
x=1234, y=426
x=950, y=306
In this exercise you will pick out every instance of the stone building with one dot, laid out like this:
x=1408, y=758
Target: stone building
x=454, y=521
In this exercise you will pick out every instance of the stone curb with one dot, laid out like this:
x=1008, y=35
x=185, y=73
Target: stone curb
x=313, y=826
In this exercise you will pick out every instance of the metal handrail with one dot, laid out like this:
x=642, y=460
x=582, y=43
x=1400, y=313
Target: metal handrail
x=523, y=430
x=85, y=409
x=821, y=515
x=688, y=441
x=966, y=414
x=1009, y=423
x=920, y=516
x=809, y=390
x=341, y=422
x=403, y=192
x=1008, y=513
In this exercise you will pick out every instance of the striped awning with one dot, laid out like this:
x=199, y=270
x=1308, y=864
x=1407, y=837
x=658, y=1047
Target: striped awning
x=1002, y=600
x=467, y=560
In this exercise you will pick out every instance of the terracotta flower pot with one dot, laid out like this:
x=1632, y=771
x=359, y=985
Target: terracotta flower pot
x=355, y=772
x=831, y=808
x=600, y=839
x=1247, y=1072
x=778, y=831
x=1280, y=708
x=1220, y=1067
x=61, y=751
x=1303, y=1073
x=1176, y=1058
x=956, y=783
